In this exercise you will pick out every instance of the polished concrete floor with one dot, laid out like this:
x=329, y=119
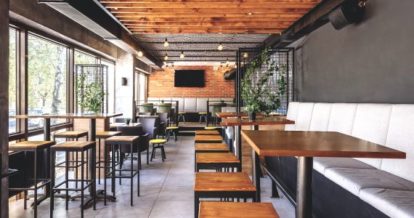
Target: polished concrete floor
x=166, y=191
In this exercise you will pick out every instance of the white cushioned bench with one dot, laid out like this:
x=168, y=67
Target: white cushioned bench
x=386, y=184
x=193, y=105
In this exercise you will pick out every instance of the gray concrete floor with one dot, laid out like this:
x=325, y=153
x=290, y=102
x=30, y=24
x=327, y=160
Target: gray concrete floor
x=166, y=191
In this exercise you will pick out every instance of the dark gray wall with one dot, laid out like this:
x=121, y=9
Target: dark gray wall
x=369, y=62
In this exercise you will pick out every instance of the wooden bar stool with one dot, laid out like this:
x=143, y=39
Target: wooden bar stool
x=172, y=130
x=181, y=116
x=102, y=135
x=86, y=182
x=207, y=132
x=75, y=135
x=37, y=147
x=111, y=142
x=211, y=147
x=208, y=139
x=217, y=161
x=203, y=116
x=222, y=185
x=237, y=210
x=211, y=128
x=158, y=144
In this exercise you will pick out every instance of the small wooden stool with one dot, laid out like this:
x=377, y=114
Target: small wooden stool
x=113, y=141
x=237, y=210
x=211, y=147
x=86, y=160
x=207, y=132
x=36, y=147
x=222, y=185
x=158, y=143
x=102, y=135
x=208, y=139
x=76, y=135
x=173, y=130
x=211, y=128
x=217, y=161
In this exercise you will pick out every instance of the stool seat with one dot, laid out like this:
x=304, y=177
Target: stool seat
x=211, y=127
x=106, y=134
x=181, y=112
x=158, y=141
x=207, y=132
x=223, y=182
x=74, y=146
x=122, y=139
x=71, y=134
x=211, y=147
x=30, y=145
x=172, y=127
x=237, y=210
x=220, y=157
x=208, y=138
x=202, y=113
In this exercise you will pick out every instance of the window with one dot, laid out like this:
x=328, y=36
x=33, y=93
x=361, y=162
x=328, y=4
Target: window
x=110, y=92
x=140, y=87
x=12, y=79
x=47, y=76
x=84, y=58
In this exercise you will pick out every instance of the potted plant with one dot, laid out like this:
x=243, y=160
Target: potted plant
x=256, y=92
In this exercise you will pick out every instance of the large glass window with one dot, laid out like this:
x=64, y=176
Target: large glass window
x=47, y=74
x=84, y=58
x=110, y=92
x=12, y=79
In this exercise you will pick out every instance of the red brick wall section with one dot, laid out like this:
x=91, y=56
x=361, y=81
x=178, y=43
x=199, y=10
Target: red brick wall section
x=161, y=84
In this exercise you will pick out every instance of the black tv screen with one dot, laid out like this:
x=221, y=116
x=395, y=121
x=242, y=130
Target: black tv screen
x=189, y=78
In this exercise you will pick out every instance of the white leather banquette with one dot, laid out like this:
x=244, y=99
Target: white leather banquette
x=386, y=184
x=191, y=104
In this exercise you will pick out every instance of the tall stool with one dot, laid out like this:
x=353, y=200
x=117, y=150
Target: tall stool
x=172, y=130
x=158, y=144
x=222, y=185
x=181, y=116
x=36, y=147
x=207, y=132
x=111, y=142
x=217, y=161
x=208, y=139
x=102, y=135
x=86, y=181
x=203, y=116
x=237, y=209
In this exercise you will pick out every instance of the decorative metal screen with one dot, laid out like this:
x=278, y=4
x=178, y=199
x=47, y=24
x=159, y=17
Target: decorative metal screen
x=88, y=74
x=283, y=72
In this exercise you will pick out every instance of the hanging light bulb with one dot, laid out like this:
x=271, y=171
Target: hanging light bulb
x=245, y=55
x=140, y=54
x=227, y=63
x=166, y=44
x=166, y=57
x=182, y=56
x=220, y=47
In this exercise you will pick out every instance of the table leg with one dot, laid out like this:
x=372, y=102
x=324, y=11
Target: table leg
x=256, y=174
x=238, y=149
x=46, y=154
x=304, y=188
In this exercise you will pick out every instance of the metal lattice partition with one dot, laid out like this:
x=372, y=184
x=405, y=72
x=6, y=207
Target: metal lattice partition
x=90, y=73
x=282, y=73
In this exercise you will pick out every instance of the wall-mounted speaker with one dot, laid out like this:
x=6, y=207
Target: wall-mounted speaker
x=350, y=11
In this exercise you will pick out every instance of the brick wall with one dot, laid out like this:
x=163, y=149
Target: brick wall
x=161, y=84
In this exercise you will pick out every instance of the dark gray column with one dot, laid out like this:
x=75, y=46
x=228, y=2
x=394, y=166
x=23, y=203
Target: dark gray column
x=4, y=124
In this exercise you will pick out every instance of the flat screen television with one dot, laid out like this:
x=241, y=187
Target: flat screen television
x=189, y=78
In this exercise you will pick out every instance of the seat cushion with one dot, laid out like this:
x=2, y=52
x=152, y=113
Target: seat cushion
x=321, y=164
x=393, y=203
x=354, y=180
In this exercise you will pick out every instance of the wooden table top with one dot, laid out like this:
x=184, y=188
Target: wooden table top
x=208, y=138
x=234, y=114
x=207, y=132
x=211, y=147
x=68, y=115
x=221, y=157
x=273, y=120
x=237, y=210
x=315, y=144
x=114, y=125
x=213, y=182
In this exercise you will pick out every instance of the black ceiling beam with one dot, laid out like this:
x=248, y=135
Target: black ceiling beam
x=199, y=42
x=199, y=56
x=312, y=20
x=192, y=50
x=111, y=28
x=197, y=60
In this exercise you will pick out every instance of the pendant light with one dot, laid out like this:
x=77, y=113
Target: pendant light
x=166, y=57
x=140, y=54
x=220, y=47
x=166, y=44
x=182, y=56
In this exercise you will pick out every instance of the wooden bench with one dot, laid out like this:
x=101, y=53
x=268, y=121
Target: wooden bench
x=217, y=161
x=237, y=210
x=207, y=132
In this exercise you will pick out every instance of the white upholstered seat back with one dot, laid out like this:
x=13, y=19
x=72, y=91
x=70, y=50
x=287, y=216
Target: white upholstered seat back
x=320, y=117
x=371, y=124
x=401, y=137
x=304, y=117
x=292, y=114
x=341, y=118
x=201, y=105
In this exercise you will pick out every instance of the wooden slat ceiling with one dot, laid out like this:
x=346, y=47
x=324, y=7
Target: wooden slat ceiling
x=198, y=26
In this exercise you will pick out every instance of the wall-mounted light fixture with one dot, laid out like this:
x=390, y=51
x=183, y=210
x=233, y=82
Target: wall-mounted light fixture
x=124, y=81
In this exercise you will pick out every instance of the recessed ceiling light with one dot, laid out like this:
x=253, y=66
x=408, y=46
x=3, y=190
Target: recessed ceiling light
x=182, y=56
x=166, y=44
x=140, y=54
x=220, y=47
x=249, y=14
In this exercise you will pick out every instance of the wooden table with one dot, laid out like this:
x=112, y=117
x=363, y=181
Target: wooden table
x=235, y=114
x=92, y=130
x=306, y=145
x=238, y=122
x=116, y=125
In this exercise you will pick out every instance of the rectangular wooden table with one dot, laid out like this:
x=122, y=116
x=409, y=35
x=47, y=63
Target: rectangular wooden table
x=238, y=122
x=235, y=114
x=306, y=145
